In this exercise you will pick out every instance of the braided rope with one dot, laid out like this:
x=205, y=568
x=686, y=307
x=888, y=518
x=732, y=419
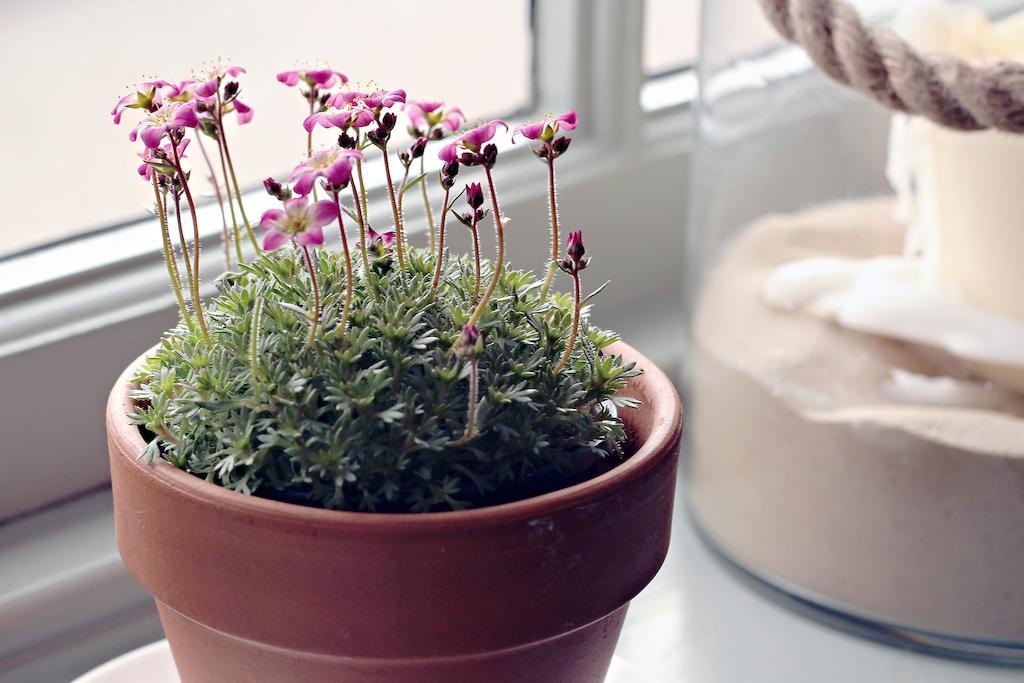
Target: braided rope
x=877, y=62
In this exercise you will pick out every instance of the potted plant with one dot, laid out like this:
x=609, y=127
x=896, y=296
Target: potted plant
x=380, y=462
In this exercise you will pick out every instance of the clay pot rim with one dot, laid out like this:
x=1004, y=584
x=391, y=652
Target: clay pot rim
x=127, y=441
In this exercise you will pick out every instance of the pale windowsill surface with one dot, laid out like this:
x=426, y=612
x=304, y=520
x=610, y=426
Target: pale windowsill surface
x=695, y=623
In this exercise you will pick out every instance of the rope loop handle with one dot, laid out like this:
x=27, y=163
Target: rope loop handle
x=877, y=62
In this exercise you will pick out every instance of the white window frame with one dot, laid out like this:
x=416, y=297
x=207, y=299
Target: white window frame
x=74, y=313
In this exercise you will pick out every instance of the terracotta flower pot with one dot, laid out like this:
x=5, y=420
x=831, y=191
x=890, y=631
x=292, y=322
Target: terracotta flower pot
x=251, y=589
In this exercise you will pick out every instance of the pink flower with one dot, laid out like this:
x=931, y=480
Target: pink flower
x=145, y=95
x=425, y=115
x=314, y=78
x=386, y=238
x=546, y=129
x=299, y=221
x=151, y=162
x=471, y=140
x=179, y=92
x=334, y=164
x=210, y=81
x=349, y=117
x=169, y=117
x=376, y=100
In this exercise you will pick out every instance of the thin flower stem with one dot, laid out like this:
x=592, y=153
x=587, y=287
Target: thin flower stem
x=403, y=186
x=474, y=388
x=476, y=256
x=439, y=263
x=553, y=204
x=254, y=337
x=231, y=202
x=426, y=203
x=234, y=176
x=499, y=263
x=575, y=322
x=220, y=201
x=309, y=136
x=349, y=286
x=314, y=321
x=362, y=225
x=399, y=232
x=362, y=185
x=169, y=259
x=197, y=302
x=181, y=237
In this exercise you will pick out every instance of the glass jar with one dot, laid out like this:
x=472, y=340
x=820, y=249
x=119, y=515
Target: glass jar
x=857, y=417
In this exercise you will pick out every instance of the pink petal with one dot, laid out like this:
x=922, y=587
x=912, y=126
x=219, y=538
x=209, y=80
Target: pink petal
x=234, y=71
x=322, y=77
x=151, y=136
x=340, y=172
x=568, y=120
x=447, y=153
x=289, y=78
x=415, y=114
x=320, y=118
x=295, y=206
x=186, y=116
x=305, y=184
x=360, y=118
x=244, y=112
x=530, y=130
x=119, y=108
x=208, y=88
x=270, y=218
x=273, y=239
x=453, y=119
x=323, y=212
x=312, y=237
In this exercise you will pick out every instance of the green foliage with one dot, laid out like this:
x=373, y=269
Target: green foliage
x=371, y=419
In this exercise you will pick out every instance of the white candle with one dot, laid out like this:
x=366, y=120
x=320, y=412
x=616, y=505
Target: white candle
x=966, y=189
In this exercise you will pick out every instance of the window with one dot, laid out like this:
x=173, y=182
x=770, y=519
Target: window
x=670, y=35
x=86, y=55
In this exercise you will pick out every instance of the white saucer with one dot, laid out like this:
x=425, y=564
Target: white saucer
x=153, y=664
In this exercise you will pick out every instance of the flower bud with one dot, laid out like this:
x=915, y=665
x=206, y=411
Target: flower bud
x=388, y=121
x=469, y=158
x=276, y=189
x=418, y=148
x=575, y=259
x=230, y=90
x=468, y=344
x=404, y=158
x=379, y=136
x=489, y=155
x=450, y=169
x=436, y=134
x=346, y=141
x=474, y=195
x=560, y=145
